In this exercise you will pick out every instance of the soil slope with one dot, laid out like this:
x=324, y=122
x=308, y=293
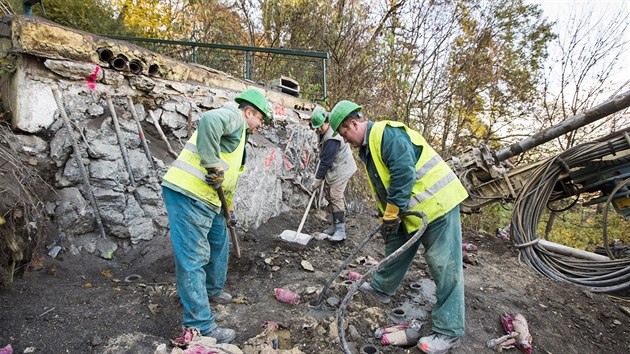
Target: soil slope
x=82, y=304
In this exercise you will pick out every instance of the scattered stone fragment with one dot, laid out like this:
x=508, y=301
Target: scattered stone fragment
x=307, y=265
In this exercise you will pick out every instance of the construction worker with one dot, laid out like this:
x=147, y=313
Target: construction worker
x=336, y=166
x=405, y=173
x=27, y=6
x=212, y=159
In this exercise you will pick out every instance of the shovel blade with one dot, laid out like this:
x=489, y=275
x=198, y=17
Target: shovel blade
x=294, y=236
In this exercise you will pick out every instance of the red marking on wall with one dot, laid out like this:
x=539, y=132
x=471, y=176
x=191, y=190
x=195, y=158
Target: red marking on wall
x=91, y=80
x=279, y=110
x=287, y=164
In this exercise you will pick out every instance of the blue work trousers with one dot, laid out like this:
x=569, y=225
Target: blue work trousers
x=442, y=243
x=201, y=248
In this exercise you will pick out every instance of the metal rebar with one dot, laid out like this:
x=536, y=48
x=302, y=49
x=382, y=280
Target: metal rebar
x=77, y=157
x=143, y=139
x=121, y=141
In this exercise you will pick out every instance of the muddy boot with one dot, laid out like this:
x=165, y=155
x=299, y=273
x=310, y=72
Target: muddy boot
x=331, y=230
x=340, y=227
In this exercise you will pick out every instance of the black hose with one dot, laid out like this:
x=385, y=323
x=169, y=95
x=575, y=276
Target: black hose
x=383, y=263
x=343, y=266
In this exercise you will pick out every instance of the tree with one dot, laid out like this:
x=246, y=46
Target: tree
x=94, y=16
x=584, y=71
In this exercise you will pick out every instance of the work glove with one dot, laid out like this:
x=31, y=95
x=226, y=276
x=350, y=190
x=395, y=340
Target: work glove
x=215, y=176
x=391, y=219
x=316, y=184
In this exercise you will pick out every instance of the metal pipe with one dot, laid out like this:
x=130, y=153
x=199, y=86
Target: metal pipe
x=607, y=108
x=77, y=158
x=135, y=66
x=154, y=69
x=119, y=63
x=105, y=54
x=570, y=251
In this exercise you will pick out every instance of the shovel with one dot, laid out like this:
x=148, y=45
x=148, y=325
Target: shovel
x=297, y=236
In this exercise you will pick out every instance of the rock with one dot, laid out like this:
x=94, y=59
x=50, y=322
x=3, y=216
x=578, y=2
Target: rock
x=307, y=265
x=173, y=119
x=73, y=214
x=32, y=144
x=142, y=83
x=74, y=70
x=95, y=110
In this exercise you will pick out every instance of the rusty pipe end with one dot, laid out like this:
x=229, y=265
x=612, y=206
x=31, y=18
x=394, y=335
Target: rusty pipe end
x=135, y=66
x=105, y=54
x=154, y=69
x=119, y=63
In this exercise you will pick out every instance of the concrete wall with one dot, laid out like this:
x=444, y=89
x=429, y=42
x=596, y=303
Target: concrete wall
x=282, y=157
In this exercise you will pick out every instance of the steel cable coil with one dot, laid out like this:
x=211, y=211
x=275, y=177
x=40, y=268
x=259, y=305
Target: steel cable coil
x=598, y=276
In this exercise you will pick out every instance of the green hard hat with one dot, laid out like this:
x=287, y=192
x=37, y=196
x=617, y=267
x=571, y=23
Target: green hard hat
x=340, y=112
x=256, y=98
x=318, y=117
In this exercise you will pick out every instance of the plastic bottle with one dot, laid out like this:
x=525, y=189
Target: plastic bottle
x=287, y=296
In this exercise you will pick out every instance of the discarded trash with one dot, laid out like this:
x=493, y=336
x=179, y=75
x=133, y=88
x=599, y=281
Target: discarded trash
x=469, y=247
x=517, y=323
x=54, y=251
x=353, y=276
x=503, y=233
x=287, y=296
x=401, y=334
x=332, y=301
x=505, y=342
x=161, y=349
x=55, y=247
x=6, y=350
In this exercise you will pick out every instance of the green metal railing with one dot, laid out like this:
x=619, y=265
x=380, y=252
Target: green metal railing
x=256, y=64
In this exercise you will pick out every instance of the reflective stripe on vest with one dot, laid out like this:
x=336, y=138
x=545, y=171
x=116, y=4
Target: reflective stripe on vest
x=187, y=173
x=437, y=189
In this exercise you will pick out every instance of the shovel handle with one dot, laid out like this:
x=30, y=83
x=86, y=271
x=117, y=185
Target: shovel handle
x=226, y=213
x=308, y=207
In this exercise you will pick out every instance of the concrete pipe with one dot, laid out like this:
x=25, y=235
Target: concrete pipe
x=105, y=54
x=154, y=69
x=119, y=63
x=135, y=66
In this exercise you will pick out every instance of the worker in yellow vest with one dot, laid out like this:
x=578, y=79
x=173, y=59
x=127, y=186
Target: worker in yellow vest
x=212, y=158
x=405, y=173
x=336, y=166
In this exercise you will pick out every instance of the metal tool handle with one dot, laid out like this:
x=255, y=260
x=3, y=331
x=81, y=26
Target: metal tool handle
x=226, y=213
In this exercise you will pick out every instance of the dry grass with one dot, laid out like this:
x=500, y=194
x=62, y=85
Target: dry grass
x=22, y=209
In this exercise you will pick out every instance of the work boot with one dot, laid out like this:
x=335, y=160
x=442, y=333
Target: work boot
x=331, y=230
x=222, y=335
x=340, y=227
x=438, y=343
x=377, y=294
x=223, y=298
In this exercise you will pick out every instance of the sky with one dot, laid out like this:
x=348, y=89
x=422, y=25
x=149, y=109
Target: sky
x=561, y=11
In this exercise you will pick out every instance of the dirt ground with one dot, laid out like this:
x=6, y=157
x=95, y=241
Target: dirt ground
x=84, y=304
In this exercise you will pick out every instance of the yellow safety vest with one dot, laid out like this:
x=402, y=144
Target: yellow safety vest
x=187, y=173
x=437, y=189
